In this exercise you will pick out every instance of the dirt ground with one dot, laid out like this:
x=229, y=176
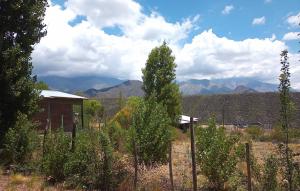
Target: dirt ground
x=156, y=178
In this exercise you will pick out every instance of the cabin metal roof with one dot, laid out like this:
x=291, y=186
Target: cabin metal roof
x=186, y=119
x=58, y=94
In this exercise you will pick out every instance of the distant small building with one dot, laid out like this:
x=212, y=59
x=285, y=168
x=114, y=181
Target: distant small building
x=184, y=122
x=57, y=110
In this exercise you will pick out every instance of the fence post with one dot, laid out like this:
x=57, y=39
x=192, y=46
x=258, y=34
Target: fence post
x=135, y=165
x=170, y=167
x=248, y=166
x=193, y=154
x=73, y=137
x=44, y=138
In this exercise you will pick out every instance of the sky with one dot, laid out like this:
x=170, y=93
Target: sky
x=210, y=39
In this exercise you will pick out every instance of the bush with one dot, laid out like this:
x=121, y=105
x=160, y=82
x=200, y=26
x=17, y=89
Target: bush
x=20, y=142
x=269, y=180
x=216, y=154
x=83, y=164
x=151, y=132
x=93, y=164
x=57, y=149
x=254, y=132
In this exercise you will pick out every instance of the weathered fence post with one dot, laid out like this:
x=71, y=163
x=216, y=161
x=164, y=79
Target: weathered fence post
x=170, y=167
x=135, y=166
x=73, y=137
x=44, y=138
x=248, y=166
x=193, y=154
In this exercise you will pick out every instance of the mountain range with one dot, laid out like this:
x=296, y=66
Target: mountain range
x=106, y=87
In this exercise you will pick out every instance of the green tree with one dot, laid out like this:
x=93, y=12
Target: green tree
x=151, y=133
x=217, y=154
x=286, y=112
x=93, y=111
x=21, y=26
x=41, y=86
x=159, y=80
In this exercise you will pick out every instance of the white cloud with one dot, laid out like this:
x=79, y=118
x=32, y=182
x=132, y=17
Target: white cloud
x=291, y=36
x=227, y=9
x=259, y=21
x=86, y=49
x=107, y=13
x=268, y=1
x=294, y=20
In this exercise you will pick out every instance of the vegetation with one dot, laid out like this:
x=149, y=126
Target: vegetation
x=216, y=154
x=151, y=133
x=20, y=143
x=93, y=112
x=21, y=27
x=286, y=112
x=159, y=80
x=269, y=180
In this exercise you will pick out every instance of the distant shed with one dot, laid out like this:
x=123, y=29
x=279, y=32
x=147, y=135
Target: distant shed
x=58, y=108
x=184, y=121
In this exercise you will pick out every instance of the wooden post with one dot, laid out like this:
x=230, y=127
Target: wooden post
x=170, y=167
x=44, y=138
x=73, y=136
x=193, y=154
x=248, y=166
x=82, y=121
x=135, y=166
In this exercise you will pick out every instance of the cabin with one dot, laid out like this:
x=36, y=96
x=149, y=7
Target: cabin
x=59, y=109
x=184, y=122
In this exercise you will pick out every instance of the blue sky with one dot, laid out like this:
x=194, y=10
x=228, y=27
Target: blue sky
x=210, y=39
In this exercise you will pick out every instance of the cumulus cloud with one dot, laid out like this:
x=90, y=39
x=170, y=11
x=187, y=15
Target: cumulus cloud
x=291, y=36
x=86, y=49
x=227, y=9
x=294, y=20
x=259, y=21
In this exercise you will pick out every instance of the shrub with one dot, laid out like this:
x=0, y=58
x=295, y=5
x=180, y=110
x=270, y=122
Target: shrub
x=151, y=133
x=93, y=164
x=57, y=149
x=82, y=167
x=254, y=132
x=216, y=154
x=20, y=142
x=269, y=180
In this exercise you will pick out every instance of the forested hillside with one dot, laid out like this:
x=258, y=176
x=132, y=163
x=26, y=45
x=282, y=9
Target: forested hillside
x=247, y=108
x=242, y=108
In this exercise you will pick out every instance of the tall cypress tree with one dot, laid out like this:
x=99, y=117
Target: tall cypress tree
x=286, y=111
x=21, y=27
x=159, y=80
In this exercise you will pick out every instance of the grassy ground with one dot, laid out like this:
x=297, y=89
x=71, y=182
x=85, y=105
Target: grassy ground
x=156, y=178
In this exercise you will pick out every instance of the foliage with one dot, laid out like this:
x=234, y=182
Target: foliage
x=151, y=133
x=93, y=111
x=269, y=179
x=121, y=122
x=216, y=154
x=159, y=80
x=41, y=86
x=21, y=26
x=20, y=142
x=255, y=132
x=286, y=112
x=91, y=164
x=57, y=149
x=290, y=165
x=82, y=165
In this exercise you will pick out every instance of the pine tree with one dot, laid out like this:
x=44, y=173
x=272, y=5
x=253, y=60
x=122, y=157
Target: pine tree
x=21, y=27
